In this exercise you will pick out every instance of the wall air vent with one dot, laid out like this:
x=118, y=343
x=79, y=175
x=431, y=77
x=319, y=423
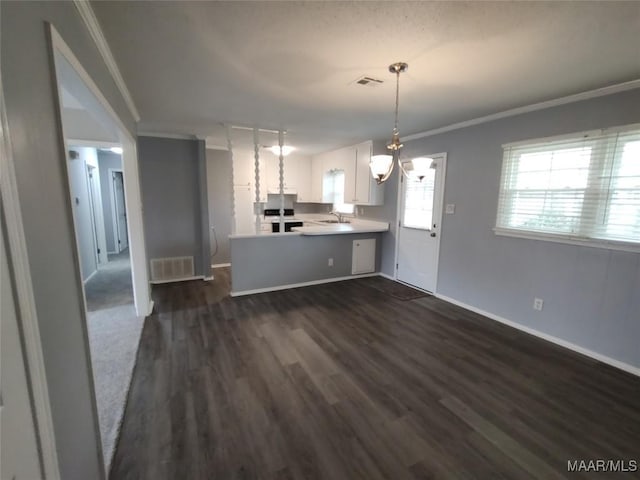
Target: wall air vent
x=368, y=81
x=172, y=269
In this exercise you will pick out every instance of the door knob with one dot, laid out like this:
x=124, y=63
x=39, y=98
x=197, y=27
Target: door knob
x=433, y=234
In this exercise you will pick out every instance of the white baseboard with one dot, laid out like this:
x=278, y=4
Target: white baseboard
x=90, y=277
x=149, y=308
x=186, y=279
x=545, y=336
x=386, y=276
x=220, y=265
x=302, y=284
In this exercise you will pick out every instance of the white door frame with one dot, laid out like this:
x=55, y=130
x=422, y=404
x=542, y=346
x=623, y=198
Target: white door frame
x=17, y=253
x=440, y=202
x=114, y=210
x=133, y=198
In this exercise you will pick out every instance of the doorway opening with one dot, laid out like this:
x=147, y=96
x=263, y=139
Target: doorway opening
x=419, y=227
x=111, y=256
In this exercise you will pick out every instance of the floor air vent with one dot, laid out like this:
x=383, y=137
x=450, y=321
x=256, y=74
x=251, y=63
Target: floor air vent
x=171, y=269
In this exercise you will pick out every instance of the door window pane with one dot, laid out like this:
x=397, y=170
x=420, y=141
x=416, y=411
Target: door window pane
x=418, y=201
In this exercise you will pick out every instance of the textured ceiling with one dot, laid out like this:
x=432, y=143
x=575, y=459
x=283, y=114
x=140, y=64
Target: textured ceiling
x=292, y=65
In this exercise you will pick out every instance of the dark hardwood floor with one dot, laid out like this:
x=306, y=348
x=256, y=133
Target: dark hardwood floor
x=340, y=381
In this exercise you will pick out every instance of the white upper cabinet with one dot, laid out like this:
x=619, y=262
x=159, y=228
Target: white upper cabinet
x=317, y=172
x=303, y=180
x=367, y=191
x=297, y=176
x=304, y=176
x=360, y=187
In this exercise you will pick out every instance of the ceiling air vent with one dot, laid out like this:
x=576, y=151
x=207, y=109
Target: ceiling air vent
x=369, y=81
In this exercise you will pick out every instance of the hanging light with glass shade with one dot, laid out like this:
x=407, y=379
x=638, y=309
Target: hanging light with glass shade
x=382, y=165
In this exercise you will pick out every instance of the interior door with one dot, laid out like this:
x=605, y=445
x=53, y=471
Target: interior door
x=97, y=220
x=419, y=227
x=121, y=212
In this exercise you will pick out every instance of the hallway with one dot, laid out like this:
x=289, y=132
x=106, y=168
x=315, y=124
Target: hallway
x=111, y=285
x=114, y=334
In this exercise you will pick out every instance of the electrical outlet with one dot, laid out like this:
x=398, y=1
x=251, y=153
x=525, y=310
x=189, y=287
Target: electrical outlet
x=330, y=262
x=537, y=304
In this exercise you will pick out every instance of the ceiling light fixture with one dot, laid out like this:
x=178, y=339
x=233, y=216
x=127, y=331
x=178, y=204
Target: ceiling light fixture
x=275, y=149
x=382, y=165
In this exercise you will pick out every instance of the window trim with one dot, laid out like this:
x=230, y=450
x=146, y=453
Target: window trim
x=564, y=238
x=568, y=240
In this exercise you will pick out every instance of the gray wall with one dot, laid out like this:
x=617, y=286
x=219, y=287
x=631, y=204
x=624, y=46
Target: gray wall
x=275, y=260
x=27, y=74
x=107, y=160
x=591, y=294
x=171, y=198
x=219, y=200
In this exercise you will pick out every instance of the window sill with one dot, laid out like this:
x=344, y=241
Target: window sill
x=587, y=242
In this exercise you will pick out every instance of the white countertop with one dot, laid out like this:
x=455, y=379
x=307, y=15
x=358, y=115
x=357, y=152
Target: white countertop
x=313, y=225
x=355, y=226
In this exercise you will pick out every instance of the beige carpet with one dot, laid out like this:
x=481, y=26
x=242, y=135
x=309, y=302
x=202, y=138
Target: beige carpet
x=114, y=335
x=111, y=285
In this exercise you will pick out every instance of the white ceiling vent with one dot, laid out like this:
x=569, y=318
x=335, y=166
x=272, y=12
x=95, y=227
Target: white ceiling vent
x=368, y=81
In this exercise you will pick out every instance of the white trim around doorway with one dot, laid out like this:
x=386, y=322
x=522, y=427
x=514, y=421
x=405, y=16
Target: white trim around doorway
x=441, y=186
x=133, y=200
x=16, y=251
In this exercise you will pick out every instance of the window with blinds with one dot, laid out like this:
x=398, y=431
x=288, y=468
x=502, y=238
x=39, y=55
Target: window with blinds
x=581, y=187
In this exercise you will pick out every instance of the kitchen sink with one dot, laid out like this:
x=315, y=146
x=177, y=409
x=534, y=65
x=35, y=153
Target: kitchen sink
x=334, y=221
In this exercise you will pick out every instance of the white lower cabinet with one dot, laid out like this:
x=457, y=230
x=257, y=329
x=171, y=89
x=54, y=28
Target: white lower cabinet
x=363, y=258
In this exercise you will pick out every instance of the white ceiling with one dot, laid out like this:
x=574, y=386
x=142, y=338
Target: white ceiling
x=192, y=66
x=84, y=117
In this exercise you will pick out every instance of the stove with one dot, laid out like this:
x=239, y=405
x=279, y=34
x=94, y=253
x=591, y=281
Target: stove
x=289, y=223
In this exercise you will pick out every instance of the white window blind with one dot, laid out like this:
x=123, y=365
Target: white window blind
x=582, y=187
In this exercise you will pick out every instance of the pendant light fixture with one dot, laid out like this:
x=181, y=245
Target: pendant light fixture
x=382, y=165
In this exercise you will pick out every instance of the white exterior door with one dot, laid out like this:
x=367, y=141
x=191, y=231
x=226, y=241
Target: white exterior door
x=121, y=212
x=419, y=227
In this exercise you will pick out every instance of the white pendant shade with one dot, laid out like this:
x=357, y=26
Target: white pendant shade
x=380, y=165
x=421, y=166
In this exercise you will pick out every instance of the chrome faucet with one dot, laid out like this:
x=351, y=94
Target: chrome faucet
x=339, y=216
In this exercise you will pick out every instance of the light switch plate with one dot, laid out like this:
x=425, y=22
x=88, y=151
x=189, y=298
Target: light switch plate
x=450, y=208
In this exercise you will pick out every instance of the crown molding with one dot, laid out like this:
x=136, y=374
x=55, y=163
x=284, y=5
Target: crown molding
x=174, y=136
x=92, y=24
x=598, y=92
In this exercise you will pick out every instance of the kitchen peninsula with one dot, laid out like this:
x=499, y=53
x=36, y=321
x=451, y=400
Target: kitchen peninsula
x=317, y=252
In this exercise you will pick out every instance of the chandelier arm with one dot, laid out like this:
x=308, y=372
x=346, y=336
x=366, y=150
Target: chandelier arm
x=402, y=169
